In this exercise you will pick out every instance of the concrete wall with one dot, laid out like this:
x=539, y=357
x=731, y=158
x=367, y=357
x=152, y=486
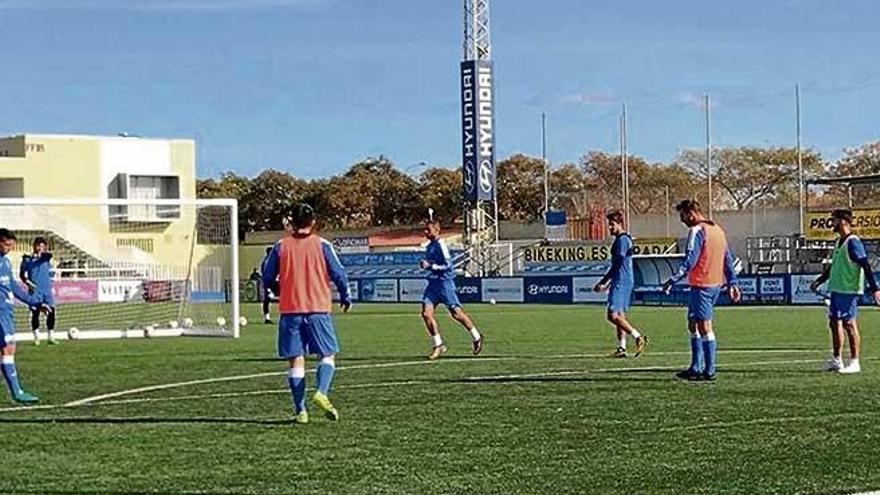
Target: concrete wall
x=81, y=167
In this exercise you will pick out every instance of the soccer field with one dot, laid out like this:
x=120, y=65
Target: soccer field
x=542, y=411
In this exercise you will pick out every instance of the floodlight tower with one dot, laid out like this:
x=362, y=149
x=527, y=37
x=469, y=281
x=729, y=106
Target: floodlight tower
x=478, y=141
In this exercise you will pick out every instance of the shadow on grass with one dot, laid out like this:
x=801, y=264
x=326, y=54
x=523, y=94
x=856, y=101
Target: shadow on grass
x=147, y=420
x=558, y=379
x=113, y=492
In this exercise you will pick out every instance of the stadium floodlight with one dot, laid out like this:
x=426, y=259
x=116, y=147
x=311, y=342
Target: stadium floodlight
x=128, y=268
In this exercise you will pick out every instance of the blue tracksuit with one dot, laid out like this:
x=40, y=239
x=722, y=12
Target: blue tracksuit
x=441, y=276
x=621, y=274
x=38, y=271
x=9, y=291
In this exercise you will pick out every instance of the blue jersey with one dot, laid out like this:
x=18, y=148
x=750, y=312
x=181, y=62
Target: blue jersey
x=622, y=262
x=437, y=254
x=38, y=271
x=10, y=290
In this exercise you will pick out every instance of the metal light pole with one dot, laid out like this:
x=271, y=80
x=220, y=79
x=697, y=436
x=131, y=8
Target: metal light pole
x=800, y=160
x=709, y=152
x=546, y=165
x=667, y=212
x=624, y=167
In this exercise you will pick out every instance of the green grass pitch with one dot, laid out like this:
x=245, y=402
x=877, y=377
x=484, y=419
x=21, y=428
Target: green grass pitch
x=542, y=411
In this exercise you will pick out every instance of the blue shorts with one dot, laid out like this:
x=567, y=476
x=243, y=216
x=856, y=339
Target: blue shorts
x=7, y=329
x=844, y=307
x=619, y=299
x=48, y=300
x=301, y=334
x=441, y=292
x=701, y=303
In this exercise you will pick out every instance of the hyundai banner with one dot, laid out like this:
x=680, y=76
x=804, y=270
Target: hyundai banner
x=478, y=130
x=548, y=290
x=468, y=289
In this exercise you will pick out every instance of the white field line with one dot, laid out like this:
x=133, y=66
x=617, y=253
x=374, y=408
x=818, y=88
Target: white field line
x=104, y=399
x=165, y=386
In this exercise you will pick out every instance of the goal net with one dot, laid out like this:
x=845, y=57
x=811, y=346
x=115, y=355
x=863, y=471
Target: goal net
x=132, y=268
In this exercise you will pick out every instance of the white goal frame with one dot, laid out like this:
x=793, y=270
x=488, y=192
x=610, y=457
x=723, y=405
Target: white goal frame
x=231, y=204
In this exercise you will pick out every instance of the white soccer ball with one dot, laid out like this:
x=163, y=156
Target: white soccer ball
x=826, y=301
x=187, y=323
x=492, y=302
x=172, y=324
x=149, y=331
x=73, y=333
x=242, y=321
x=221, y=321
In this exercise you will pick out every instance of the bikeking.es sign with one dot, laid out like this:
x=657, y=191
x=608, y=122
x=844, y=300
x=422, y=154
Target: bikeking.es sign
x=478, y=130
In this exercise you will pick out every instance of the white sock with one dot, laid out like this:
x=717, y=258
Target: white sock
x=621, y=343
x=438, y=340
x=635, y=334
x=853, y=362
x=51, y=334
x=266, y=316
x=475, y=334
x=37, y=334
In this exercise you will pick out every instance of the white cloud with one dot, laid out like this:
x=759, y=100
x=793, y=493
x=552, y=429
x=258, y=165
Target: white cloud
x=590, y=99
x=192, y=5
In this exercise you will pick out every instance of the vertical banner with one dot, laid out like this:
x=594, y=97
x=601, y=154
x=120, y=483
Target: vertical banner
x=478, y=130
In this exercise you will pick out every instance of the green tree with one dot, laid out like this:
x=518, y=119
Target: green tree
x=269, y=197
x=863, y=160
x=747, y=175
x=521, y=188
x=374, y=193
x=441, y=189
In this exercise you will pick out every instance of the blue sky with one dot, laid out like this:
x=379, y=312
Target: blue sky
x=311, y=86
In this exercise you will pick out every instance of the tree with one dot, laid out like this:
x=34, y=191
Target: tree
x=864, y=160
x=374, y=193
x=441, y=189
x=521, y=188
x=270, y=196
x=232, y=186
x=746, y=175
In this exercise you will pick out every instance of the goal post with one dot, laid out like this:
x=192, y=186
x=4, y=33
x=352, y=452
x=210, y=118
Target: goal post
x=131, y=267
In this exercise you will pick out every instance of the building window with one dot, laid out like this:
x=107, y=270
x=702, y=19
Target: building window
x=11, y=188
x=147, y=188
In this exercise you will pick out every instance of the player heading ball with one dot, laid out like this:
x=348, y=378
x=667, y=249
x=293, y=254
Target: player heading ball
x=304, y=265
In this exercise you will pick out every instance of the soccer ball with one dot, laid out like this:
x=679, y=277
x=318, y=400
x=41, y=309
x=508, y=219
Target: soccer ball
x=149, y=331
x=492, y=302
x=221, y=321
x=172, y=324
x=242, y=321
x=73, y=333
x=187, y=323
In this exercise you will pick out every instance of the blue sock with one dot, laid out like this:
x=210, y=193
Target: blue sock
x=696, y=354
x=709, y=349
x=296, y=379
x=326, y=370
x=11, y=375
